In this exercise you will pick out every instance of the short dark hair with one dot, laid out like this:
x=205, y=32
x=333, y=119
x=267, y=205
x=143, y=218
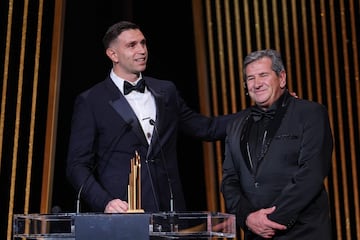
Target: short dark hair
x=115, y=30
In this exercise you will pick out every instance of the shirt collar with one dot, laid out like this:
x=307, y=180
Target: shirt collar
x=119, y=82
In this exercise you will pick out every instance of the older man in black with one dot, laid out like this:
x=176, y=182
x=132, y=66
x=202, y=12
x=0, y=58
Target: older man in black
x=277, y=155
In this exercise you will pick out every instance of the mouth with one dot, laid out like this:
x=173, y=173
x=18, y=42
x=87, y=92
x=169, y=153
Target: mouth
x=140, y=60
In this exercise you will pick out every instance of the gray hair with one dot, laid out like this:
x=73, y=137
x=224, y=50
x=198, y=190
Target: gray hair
x=277, y=63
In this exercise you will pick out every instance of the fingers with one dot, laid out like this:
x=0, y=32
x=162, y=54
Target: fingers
x=258, y=223
x=116, y=206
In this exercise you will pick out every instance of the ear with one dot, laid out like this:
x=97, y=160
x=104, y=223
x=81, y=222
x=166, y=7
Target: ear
x=282, y=78
x=111, y=53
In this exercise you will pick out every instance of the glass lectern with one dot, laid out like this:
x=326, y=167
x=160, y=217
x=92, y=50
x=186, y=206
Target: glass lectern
x=162, y=225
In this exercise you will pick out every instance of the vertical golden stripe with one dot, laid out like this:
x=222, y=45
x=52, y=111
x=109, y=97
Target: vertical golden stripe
x=356, y=65
x=52, y=109
x=319, y=93
x=213, y=75
x=349, y=102
x=316, y=60
x=204, y=99
x=3, y=103
x=33, y=108
x=212, y=79
x=18, y=117
x=247, y=27
x=239, y=54
x=305, y=41
x=266, y=24
x=328, y=77
x=356, y=79
x=287, y=52
x=335, y=65
x=276, y=24
x=230, y=55
x=257, y=26
x=5, y=76
x=221, y=54
x=212, y=57
x=296, y=47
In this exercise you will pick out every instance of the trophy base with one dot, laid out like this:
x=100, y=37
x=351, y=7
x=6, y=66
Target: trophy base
x=135, y=211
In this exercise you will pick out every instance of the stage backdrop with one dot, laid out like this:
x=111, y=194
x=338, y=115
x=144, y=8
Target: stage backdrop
x=51, y=50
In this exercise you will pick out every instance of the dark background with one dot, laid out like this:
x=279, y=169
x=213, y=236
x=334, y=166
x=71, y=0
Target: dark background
x=168, y=27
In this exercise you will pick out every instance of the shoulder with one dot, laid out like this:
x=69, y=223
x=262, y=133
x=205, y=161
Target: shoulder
x=307, y=111
x=104, y=88
x=308, y=105
x=150, y=81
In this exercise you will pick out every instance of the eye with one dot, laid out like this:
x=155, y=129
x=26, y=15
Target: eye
x=250, y=78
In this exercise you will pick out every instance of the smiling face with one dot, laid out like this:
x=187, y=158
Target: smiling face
x=263, y=84
x=129, y=54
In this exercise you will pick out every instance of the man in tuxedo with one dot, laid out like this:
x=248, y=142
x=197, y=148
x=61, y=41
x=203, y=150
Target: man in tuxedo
x=277, y=155
x=127, y=113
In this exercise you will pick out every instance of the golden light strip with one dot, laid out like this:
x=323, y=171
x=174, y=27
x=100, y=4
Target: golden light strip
x=52, y=109
x=222, y=68
x=213, y=84
x=247, y=27
x=3, y=104
x=306, y=40
x=203, y=83
x=352, y=147
x=276, y=24
x=337, y=88
x=239, y=54
x=316, y=60
x=211, y=52
x=296, y=47
x=5, y=75
x=266, y=24
x=287, y=52
x=328, y=76
x=17, y=119
x=356, y=66
x=257, y=26
x=230, y=67
x=221, y=52
x=33, y=108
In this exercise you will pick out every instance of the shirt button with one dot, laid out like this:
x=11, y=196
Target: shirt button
x=257, y=184
x=148, y=135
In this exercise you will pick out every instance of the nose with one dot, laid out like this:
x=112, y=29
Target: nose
x=257, y=82
x=141, y=48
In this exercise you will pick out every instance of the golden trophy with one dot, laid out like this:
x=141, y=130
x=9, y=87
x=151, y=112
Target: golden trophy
x=134, y=187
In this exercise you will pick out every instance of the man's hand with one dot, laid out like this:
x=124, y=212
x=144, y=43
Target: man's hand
x=259, y=223
x=116, y=206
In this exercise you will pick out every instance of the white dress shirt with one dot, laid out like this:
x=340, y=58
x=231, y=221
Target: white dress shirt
x=143, y=104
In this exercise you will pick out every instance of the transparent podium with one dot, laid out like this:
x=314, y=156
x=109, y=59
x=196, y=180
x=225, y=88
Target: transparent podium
x=162, y=225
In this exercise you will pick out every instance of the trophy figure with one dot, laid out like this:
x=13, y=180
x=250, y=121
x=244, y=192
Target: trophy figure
x=134, y=187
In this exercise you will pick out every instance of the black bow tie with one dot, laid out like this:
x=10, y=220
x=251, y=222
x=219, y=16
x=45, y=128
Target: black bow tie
x=258, y=113
x=128, y=87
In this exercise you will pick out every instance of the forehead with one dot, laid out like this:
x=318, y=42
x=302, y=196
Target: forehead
x=131, y=35
x=261, y=65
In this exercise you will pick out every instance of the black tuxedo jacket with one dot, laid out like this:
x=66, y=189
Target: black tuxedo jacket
x=106, y=133
x=289, y=175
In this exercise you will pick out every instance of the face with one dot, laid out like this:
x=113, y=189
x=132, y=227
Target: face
x=128, y=54
x=264, y=86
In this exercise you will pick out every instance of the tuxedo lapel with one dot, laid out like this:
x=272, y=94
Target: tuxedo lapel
x=159, y=96
x=122, y=107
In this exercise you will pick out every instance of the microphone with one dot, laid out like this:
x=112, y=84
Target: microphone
x=152, y=122
x=111, y=147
